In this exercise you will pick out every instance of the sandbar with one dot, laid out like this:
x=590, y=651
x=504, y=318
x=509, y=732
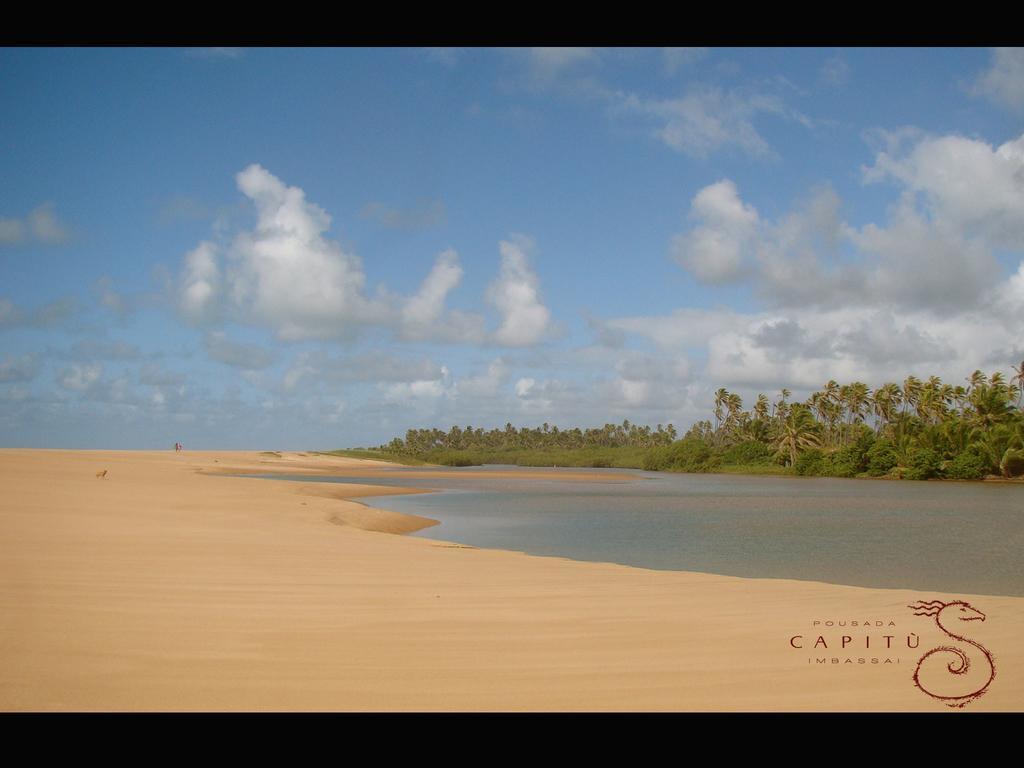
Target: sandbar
x=166, y=586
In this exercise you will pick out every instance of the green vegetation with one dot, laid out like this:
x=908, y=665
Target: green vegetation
x=376, y=454
x=917, y=431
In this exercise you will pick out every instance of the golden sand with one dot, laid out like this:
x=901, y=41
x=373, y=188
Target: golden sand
x=163, y=586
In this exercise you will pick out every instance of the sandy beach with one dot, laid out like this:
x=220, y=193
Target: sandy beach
x=166, y=586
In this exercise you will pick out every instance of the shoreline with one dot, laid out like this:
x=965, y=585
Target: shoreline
x=741, y=471
x=168, y=586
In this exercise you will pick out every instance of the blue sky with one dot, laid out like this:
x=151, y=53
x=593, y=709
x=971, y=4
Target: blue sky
x=307, y=249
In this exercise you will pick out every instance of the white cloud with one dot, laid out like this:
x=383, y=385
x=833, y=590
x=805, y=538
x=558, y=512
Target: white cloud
x=200, y=283
x=45, y=316
x=516, y=295
x=420, y=392
x=547, y=398
x=682, y=328
x=796, y=256
x=21, y=368
x=485, y=385
x=604, y=335
x=428, y=304
x=713, y=251
x=319, y=368
x=1003, y=82
x=285, y=274
x=109, y=297
x=123, y=304
x=79, y=378
x=803, y=347
x=90, y=349
x=731, y=242
x=42, y=224
x=297, y=373
x=1008, y=303
x=709, y=119
x=156, y=375
x=922, y=264
x=423, y=315
x=235, y=353
x=834, y=72
x=966, y=183
x=923, y=294
x=46, y=227
x=961, y=200
x=335, y=413
x=654, y=382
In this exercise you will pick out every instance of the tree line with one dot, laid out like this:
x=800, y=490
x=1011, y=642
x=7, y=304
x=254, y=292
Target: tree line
x=917, y=429
x=421, y=441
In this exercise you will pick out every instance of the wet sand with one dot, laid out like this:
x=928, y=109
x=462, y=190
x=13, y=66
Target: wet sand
x=164, y=586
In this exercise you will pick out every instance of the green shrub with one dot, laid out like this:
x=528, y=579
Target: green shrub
x=865, y=439
x=846, y=462
x=689, y=455
x=749, y=452
x=810, y=463
x=967, y=466
x=1012, y=464
x=852, y=460
x=881, y=458
x=656, y=459
x=457, y=459
x=924, y=464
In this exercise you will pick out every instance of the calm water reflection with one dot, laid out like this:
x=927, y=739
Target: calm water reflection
x=950, y=537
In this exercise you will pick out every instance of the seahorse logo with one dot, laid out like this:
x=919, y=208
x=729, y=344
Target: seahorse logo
x=947, y=617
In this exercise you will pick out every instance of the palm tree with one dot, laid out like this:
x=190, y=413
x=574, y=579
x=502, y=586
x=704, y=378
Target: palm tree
x=818, y=404
x=991, y=404
x=886, y=403
x=957, y=435
x=911, y=392
x=858, y=399
x=781, y=408
x=797, y=432
x=960, y=397
x=1019, y=381
x=832, y=390
x=761, y=407
x=976, y=379
x=734, y=404
x=720, y=397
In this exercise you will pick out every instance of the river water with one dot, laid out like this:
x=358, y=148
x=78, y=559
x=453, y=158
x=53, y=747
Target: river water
x=951, y=537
